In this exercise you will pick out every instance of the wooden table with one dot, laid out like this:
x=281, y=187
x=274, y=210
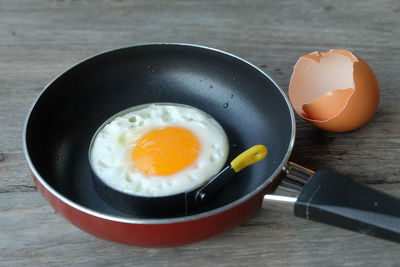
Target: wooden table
x=39, y=39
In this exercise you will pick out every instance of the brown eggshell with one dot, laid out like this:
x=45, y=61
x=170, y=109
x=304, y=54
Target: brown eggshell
x=328, y=105
x=314, y=97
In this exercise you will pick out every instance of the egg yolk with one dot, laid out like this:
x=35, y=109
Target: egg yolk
x=165, y=151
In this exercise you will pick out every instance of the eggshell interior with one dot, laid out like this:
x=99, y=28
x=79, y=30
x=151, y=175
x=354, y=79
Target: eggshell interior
x=321, y=84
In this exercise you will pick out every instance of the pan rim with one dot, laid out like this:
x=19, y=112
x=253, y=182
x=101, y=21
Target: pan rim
x=129, y=220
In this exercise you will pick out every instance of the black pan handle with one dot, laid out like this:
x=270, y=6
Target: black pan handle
x=334, y=199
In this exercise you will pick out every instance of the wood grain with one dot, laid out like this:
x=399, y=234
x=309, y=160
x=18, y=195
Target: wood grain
x=39, y=39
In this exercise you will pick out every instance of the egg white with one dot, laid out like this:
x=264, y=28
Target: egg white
x=110, y=154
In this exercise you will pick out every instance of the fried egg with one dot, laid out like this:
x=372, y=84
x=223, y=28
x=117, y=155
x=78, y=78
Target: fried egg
x=158, y=150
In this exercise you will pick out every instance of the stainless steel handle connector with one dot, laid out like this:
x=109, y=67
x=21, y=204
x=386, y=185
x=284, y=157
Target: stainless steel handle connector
x=295, y=177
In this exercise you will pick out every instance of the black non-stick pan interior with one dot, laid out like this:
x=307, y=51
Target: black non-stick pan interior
x=241, y=98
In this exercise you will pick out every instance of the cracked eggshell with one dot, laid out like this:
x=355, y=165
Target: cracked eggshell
x=335, y=90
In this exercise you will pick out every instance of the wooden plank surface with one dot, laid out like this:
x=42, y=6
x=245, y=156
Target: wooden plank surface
x=39, y=39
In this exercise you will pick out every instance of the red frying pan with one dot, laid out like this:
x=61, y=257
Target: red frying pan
x=251, y=108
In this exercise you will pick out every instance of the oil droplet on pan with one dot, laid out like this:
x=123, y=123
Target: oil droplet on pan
x=226, y=104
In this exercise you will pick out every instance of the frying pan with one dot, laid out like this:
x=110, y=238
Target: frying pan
x=246, y=102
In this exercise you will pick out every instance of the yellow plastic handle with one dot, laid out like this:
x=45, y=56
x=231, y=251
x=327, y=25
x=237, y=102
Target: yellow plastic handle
x=248, y=157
